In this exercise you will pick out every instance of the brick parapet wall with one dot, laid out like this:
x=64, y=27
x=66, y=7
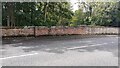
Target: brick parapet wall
x=38, y=31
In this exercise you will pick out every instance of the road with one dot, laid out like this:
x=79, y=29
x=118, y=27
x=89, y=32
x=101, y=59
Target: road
x=60, y=51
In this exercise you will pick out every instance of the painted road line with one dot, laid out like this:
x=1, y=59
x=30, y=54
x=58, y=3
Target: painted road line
x=12, y=44
x=85, y=41
x=77, y=47
x=2, y=50
x=86, y=46
x=17, y=56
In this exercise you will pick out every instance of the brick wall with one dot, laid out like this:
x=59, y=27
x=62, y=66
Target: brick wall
x=38, y=31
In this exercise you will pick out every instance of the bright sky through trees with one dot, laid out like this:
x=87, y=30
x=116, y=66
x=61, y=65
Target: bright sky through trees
x=74, y=4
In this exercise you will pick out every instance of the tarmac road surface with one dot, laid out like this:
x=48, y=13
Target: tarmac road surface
x=75, y=50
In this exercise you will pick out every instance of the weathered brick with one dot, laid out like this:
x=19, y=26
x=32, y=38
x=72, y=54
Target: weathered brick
x=58, y=31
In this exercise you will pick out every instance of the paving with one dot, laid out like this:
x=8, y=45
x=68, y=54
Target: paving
x=76, y=50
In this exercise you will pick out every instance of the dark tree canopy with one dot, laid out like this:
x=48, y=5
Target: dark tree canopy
x=60, y=14
x=36, y=14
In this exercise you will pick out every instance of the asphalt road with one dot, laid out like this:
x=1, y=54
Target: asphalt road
x=60, y=51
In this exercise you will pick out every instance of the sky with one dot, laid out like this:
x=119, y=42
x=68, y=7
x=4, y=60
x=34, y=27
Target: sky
x=75, y=5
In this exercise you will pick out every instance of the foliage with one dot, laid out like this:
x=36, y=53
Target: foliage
x=37, y=13
x=60, y=14
x=97, y=13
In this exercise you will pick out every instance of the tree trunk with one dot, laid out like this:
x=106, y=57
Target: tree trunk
x=10, y=14
x=45, y=11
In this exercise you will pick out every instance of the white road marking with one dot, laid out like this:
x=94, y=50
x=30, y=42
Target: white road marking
x=17, y=56
x=112, y=42
x=86, y=41
x=2, y=50
x=13, y=44
x=67, y=48
x=86, y=46
x=77, y=47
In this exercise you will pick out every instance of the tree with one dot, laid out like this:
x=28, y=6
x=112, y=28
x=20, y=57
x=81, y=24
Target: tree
x=97, y=13
x=38, y=13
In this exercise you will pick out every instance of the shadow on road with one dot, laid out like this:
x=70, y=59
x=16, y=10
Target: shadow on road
x=60, y=44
